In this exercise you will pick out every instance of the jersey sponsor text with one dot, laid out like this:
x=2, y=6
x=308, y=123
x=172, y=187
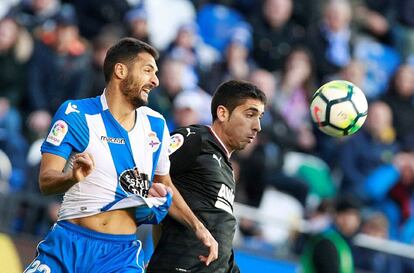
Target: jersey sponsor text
x=225, y=199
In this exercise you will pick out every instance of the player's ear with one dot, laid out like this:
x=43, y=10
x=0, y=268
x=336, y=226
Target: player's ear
x=222, y=113
x=121, y=71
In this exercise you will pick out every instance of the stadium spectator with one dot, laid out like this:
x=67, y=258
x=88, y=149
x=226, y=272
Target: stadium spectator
x=191, y=107
x=189, y=47
x=375, y=224
x=331, y=39
x=236, y=62
x=275, y=34
x=6, y=5
x=331, y=250
x=293, y=94
x=136, y=20
x=375, y=18
x=400, y=96
x=173, y=77
x=34, y=14
x=16, y=47
x=15, y=50
x=354, y=72
x=403, y=29
x=59, y=69
x=363, y=152
x=305, y=13
x=187, y=109
x=390, y=187
x=93, y=15
x=100, y=45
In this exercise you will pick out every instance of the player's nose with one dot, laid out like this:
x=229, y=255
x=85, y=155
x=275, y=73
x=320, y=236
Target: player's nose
x=257, y=126
x=155, y=81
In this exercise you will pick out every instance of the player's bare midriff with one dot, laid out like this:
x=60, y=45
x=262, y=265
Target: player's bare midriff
x=110, y=222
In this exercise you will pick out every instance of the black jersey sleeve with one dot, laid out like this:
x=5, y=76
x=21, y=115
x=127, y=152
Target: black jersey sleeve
x=186, y=151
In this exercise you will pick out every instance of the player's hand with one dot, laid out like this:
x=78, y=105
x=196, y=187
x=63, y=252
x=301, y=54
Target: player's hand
x=159, y=190
x=83, y=165
x=208, y=240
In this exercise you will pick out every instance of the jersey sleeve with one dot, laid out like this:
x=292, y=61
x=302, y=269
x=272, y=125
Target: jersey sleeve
x=184, y=149
x=69, y=132
x=163, y=166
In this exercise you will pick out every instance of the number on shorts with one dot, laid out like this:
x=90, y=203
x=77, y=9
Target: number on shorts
x=37, y=266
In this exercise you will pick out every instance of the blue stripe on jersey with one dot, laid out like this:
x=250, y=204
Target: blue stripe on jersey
x=121, y=154
x=157, y=126
x=77, y=138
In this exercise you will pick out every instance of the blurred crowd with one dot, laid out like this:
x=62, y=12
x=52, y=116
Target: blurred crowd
x=53, y=50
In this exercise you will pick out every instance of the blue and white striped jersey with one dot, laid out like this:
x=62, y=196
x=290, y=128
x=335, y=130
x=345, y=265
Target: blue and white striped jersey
x=125, y=162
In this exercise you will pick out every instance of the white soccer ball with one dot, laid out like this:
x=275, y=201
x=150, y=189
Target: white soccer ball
x=339, y=108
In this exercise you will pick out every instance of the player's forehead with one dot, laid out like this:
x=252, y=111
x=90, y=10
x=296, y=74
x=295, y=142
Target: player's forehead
x=252, y=104
x=147, y=60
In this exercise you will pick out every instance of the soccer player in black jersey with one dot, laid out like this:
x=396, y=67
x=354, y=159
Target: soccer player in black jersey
x=202, y=172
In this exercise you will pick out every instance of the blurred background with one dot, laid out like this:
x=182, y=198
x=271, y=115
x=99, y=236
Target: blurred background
x=294, y=183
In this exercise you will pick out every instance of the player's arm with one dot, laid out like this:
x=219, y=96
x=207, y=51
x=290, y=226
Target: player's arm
x=52, y=177
x=181, y=212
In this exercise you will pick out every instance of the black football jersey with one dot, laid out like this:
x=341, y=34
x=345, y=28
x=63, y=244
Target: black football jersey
x=202, y=172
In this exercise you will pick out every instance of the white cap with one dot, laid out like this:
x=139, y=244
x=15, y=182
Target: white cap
x=188, y=99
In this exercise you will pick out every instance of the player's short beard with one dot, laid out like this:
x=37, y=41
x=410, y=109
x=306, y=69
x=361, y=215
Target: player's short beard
x=131, y=93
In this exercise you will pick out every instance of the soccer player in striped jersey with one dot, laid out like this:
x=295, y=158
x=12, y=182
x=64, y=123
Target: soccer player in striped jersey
x=108, y=155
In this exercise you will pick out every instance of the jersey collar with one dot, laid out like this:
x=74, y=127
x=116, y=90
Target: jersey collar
x=103, y=101
x=219, y=140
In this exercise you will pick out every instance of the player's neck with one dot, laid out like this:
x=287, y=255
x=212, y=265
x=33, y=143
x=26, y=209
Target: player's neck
x=222, y=137
x=120, y=109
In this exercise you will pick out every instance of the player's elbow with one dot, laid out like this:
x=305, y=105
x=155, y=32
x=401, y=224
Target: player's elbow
x=44, y=185
x=44, y=190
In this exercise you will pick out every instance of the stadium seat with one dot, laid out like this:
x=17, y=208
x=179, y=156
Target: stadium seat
x=216, y=23
x=312, y=170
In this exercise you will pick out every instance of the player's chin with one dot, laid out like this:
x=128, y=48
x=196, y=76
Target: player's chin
x=138, y=102
x=242, y=145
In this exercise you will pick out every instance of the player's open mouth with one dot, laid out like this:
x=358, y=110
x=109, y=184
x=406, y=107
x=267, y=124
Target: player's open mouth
x=251, y=138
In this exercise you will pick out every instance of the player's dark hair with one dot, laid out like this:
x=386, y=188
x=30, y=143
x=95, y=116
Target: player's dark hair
x=124, y=51
x=233, y=93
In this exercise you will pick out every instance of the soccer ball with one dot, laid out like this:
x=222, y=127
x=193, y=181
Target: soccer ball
x=339, y=108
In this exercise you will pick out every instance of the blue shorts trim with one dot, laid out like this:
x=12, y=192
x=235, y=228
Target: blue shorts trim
x=96, y=235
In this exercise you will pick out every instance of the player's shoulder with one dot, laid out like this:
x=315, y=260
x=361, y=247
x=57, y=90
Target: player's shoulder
x=149, y=112
x=191, y=130
x=189, y=136
x=72, y=108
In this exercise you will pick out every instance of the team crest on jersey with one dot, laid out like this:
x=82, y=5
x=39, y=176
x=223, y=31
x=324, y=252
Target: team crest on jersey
x=176, y=141
x=57, y=133
x=132, y=181
x=153, y=142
